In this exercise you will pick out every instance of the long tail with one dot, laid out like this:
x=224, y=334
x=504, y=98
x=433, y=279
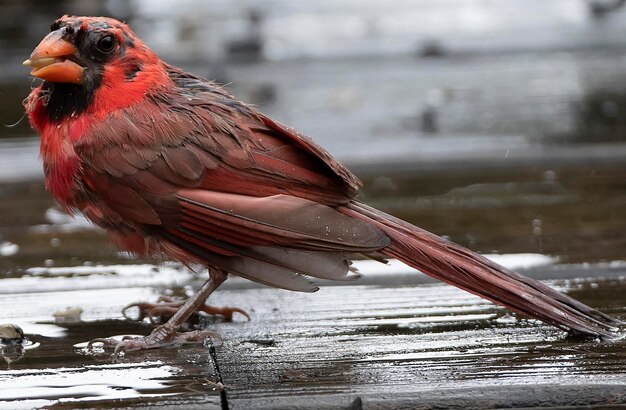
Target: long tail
x=474, y=273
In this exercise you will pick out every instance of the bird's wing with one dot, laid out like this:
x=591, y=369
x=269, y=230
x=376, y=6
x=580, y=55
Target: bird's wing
x=224, y=185
x=254, y=148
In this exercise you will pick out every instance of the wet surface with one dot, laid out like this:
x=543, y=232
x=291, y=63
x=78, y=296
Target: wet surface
x=425, y=344
x=395, y=338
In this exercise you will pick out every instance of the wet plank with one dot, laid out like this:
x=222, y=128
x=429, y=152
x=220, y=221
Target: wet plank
x=383, y=345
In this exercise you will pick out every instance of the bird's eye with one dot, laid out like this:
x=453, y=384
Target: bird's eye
x=106, y=44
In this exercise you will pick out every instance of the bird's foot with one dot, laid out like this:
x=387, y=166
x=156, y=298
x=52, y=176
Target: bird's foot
x=162, y=336
x=166, y=307
x=167, y=334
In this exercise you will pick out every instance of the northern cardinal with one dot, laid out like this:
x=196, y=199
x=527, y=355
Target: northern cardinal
x=172, y=165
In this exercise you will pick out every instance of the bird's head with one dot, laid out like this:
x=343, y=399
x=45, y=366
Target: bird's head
x=91, y=63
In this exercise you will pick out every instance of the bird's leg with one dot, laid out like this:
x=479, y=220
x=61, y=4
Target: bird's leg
x=167, y=333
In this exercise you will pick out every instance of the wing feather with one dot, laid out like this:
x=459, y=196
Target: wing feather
x=183, y=162
x=291, y=221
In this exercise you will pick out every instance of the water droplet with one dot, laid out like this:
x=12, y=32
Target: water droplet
x=8, y=249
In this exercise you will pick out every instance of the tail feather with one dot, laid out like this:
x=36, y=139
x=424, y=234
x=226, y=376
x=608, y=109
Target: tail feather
x=474, y=273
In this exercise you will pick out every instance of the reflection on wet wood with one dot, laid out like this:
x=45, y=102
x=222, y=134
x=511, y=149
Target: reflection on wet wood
x=426, y=345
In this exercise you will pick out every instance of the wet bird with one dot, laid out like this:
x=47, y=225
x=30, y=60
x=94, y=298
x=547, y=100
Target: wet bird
x=172, y=165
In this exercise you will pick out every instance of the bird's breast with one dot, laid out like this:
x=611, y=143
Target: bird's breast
x=60, y=163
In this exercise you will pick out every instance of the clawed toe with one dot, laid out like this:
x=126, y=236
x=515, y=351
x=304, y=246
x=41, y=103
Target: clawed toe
x=166, y=307
x=155, y=312
x=107, y=343
x=226, y=312
x=130, y=344
x=197, y=336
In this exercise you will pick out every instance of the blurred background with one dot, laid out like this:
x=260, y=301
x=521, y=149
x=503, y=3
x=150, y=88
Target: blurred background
x=500, y=124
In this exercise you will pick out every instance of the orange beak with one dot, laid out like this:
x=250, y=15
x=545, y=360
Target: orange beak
x=49, y=60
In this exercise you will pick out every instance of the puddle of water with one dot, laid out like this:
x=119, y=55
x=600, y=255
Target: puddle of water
x=36, y=388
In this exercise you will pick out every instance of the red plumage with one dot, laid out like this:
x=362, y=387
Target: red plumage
x=171, y=164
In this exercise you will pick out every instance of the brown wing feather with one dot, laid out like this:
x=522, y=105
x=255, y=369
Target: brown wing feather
x=286, y=220
x=307, y=145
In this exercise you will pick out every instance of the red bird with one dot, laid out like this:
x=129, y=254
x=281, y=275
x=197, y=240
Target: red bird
x=172, y=165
